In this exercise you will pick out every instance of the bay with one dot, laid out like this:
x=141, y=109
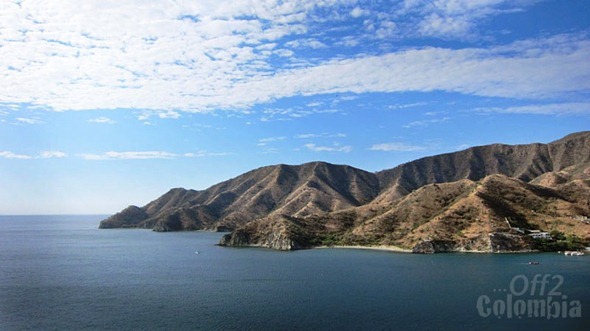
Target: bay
x=62, y=273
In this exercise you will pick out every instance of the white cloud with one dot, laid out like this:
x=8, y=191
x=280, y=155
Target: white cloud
x=320, y=135
x=396, y=147
x=203, y=153
x=482, y=72
x=456, y=18
x=438, y=25
x=42, y=155
x=169, y=114
x=306, y=43
x=285, y=114
x=425, y=123
x=163, y=114
x=11, y=155
x=357, y=12
x=102, y=120
x=147, y=155
x=52, y=154
x=540, y=109
x=265, y=141
x=26, y=120
x=284, y=52
x=206, y=55
x=333, y=148
x=130, y=155
x=408, y=105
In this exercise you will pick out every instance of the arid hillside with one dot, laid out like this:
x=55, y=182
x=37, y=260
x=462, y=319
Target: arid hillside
x=486, y=198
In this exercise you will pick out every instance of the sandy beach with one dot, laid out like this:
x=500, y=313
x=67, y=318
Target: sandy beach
x=378, y=248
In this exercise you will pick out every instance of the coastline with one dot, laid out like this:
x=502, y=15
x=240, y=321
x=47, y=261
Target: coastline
x=375, y=248
x=404, y=250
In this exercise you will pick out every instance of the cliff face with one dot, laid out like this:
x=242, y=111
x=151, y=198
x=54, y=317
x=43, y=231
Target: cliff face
x=455, y=201
x=279, y=232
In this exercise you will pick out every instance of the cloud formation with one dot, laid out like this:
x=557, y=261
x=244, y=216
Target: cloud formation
x=334, y=148
x=425, y=123
x=396, y=147
x=42, y=155
x=206, y=55
x=27, y=120
x=571, y=108
x=265, y=141
x=129, y=155
x=52, y=154
x=102, y=120
x=146, y=155
x=11, y=155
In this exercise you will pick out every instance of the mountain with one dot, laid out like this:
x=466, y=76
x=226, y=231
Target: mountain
x=299, y=191
x=478, y=199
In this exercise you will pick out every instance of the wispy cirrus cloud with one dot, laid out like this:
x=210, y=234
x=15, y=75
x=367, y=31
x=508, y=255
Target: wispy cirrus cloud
x=52, y=154
x=320, y=135
x=291, y=113
x=147, y=155
x=333, y=148
x=265, y=141
x=11, y=155
x=396, y=147
x=581, y=108
x=425, y=123
x=408, y=105
x=129, y=156
x=102, y=120
x=203, y=153
x=28, y=120
x=41, y=155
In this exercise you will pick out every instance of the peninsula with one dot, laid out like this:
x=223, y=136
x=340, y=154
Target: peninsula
x=493, y=198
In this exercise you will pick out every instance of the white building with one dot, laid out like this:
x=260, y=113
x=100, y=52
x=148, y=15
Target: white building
x=536, y=234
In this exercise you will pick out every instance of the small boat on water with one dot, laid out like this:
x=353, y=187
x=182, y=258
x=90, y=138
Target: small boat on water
x=533, y=262
x=574, y=253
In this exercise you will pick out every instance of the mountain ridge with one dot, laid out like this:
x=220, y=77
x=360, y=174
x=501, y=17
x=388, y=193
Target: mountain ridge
x=310, y=201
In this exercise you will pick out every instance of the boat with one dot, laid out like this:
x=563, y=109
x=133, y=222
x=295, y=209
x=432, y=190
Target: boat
x=574, y=253
x=533, y=263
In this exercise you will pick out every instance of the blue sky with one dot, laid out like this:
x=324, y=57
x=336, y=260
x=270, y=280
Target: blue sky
x=109, y=103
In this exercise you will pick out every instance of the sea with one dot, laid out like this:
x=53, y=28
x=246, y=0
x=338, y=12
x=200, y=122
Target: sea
x=63, y=273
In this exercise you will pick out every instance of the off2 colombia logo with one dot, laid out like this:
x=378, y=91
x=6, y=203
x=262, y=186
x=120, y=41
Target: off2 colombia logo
x=539, y=297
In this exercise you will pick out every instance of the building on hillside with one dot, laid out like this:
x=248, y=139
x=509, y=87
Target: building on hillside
x=537, y=234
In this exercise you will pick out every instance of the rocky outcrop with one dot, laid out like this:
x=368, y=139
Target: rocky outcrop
x=502, y=242
x=130, y=217
x=222, y=228
x=434, y=246
x=279, y=232
x=498, y=242
x=238, y=238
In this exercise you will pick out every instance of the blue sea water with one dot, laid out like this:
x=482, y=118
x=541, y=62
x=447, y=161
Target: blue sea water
x=62, y=273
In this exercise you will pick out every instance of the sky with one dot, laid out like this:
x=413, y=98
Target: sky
x=105, y=104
